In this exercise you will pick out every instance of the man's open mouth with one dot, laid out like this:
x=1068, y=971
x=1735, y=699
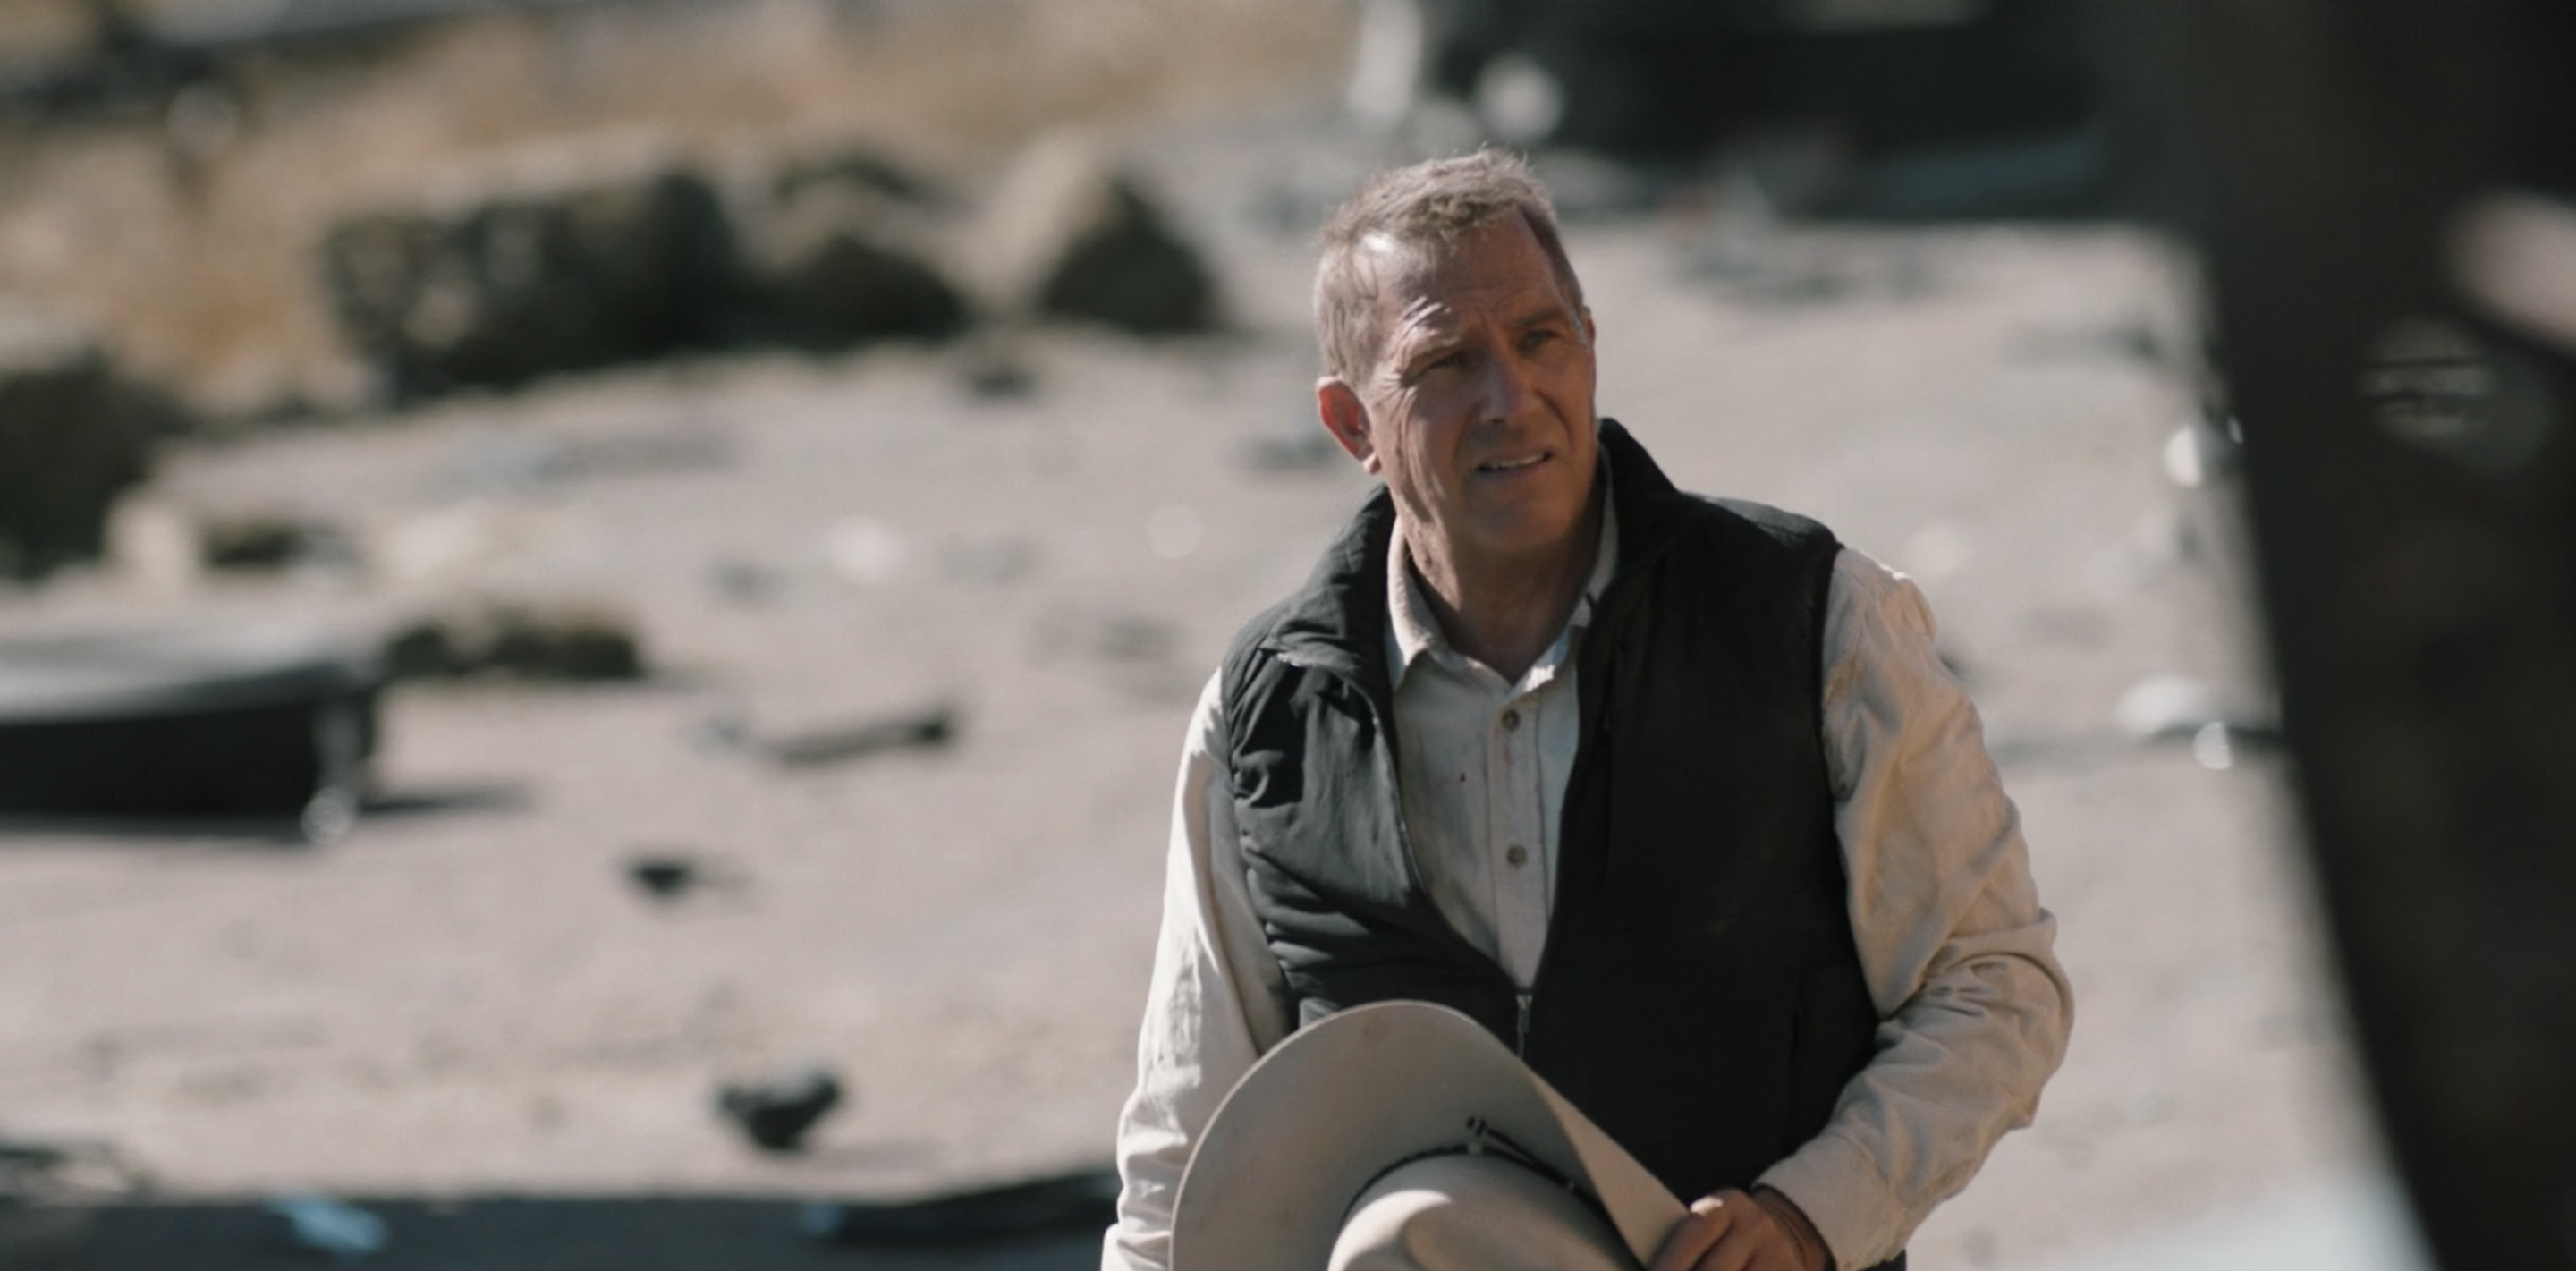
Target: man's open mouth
x=1510, y=465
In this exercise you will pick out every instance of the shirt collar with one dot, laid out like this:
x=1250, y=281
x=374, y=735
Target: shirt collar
x=1412, y=631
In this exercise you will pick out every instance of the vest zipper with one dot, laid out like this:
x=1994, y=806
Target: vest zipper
x=1520, y=1046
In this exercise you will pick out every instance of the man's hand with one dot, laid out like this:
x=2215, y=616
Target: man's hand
x=1732, y=1231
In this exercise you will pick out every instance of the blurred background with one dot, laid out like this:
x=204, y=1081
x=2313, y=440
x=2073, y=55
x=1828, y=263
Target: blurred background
x=598, y=597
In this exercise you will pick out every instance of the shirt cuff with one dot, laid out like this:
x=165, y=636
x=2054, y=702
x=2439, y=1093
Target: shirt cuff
x=1839, y=1188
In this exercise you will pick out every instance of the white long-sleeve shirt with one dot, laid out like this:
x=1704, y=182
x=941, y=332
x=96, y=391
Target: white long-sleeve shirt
x=1953, y=942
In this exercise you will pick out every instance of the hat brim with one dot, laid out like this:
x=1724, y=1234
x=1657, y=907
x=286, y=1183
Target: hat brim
x=1354, y=1093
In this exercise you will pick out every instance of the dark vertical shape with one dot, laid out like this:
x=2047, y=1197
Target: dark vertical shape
x=2420, y=595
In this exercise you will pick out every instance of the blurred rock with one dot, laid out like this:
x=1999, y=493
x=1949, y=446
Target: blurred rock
x=525, y=642
x=256, y=542
x=1071, y=234
x=838, y=251
x=557, y=259
x=662, y=875
x=73, y=433
x=776, y=1113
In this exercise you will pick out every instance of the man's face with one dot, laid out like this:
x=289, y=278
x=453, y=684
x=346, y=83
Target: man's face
x=1478, y=409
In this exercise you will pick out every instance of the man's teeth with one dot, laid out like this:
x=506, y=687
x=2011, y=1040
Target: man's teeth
x=1507, y=465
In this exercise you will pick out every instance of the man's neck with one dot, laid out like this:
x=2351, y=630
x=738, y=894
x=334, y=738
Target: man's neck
x=1504, y=612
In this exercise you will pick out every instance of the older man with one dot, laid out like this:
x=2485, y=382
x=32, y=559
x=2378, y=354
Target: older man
x=1671, y=794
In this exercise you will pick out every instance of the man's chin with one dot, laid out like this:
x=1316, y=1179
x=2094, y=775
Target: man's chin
x=1529, y=535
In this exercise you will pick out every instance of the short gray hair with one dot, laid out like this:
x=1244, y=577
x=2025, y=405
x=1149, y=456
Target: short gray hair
x=1430, y=205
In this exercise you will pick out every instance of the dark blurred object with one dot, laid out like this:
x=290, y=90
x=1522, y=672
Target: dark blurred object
x=1072, y=234
x=777, y=1113
x=272, y=542
x=1670, y=77
x=1084, y=1200
x=524, y=642
x=2413, y=495
x=54, y=1170
x=664, y=875
x=557, y=260
x=927, y=729
x=249, y=721
x=837, y=251
x=73, y=434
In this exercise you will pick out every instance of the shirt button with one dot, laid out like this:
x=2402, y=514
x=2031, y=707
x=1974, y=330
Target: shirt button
x=1517, y=855
x=1511, y=721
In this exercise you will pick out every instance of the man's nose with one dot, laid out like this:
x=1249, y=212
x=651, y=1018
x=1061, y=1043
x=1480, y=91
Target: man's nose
x=1508, y=389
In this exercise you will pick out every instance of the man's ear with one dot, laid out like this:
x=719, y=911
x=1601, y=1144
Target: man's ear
x=1339, y=406
x=1591, y=333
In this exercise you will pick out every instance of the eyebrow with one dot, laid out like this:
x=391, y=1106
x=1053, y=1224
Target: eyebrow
x=1554, y=310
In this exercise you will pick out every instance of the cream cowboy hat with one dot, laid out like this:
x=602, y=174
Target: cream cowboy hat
x=1347, y=1104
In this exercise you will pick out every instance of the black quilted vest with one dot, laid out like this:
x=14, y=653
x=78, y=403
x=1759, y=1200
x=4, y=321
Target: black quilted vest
x=1699, y=996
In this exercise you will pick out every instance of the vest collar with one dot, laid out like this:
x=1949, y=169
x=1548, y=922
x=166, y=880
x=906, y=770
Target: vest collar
x=1338, y=621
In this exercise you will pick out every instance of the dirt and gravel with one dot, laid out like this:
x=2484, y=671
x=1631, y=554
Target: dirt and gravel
x=469, y=1012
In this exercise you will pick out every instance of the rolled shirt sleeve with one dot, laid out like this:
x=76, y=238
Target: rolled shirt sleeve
x=1217, y=1002
x=1956, y=948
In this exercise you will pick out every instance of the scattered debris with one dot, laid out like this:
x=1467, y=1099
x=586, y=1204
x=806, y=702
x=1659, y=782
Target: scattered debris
x=928, y=729
x=663, y=877
x=1069, y=234
x=1081, y=1200
x=557, y=258
x=520, y=641
x=261, y=542
x=667, y=873
x=261, y=720
x=73, y=434
x=837, y=251
x=64, y=1170
x=324, y=1225
x=776, y=1113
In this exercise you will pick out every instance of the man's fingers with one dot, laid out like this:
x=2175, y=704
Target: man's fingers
x=1749, y=1245
x=1707, y=1223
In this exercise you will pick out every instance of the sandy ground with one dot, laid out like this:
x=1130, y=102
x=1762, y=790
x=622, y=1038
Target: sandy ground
x=465, y=997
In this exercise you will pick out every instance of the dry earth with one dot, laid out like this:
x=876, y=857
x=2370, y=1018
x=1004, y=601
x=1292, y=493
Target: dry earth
x=466, y=998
